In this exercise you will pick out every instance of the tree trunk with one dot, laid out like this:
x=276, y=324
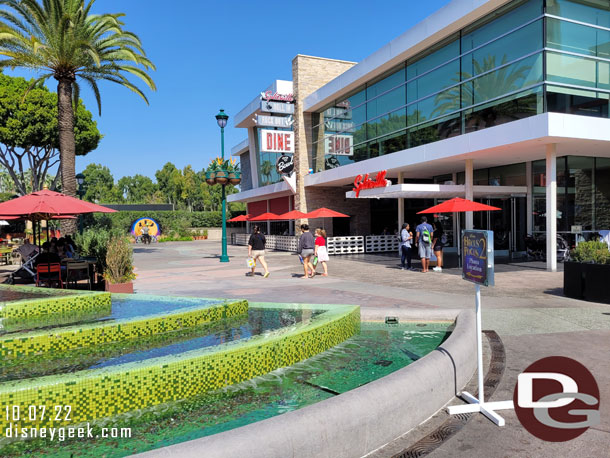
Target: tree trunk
x=67, y=146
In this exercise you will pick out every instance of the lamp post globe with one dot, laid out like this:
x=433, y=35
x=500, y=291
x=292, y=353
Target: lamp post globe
x=221, y=119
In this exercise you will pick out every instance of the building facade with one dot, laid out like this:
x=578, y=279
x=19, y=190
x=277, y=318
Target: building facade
x=505, y=102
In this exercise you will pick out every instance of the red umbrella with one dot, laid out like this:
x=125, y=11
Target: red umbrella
x=239, y=218
x=325, y=213
x=265, y=217
x=457, y=204
x=47, y=204
x=293, y=214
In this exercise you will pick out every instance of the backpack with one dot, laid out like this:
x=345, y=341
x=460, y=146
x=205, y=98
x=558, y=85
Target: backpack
x=425, y=235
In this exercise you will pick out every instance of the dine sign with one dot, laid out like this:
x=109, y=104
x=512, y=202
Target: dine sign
x=478, y=256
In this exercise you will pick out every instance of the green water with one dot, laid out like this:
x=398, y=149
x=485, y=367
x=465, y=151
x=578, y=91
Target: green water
x=377, y=351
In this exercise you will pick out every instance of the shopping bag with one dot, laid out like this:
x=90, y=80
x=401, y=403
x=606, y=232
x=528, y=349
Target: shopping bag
x=251, y=262
x=315, y=261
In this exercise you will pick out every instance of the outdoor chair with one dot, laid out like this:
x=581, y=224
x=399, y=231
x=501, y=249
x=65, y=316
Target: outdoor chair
x=49, y=274
x=76, y=271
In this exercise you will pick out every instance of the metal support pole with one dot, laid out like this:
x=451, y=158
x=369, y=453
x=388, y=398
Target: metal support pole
x=224, y=257
x=477, y=301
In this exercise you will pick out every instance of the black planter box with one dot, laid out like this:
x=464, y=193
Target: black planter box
x=587, y=281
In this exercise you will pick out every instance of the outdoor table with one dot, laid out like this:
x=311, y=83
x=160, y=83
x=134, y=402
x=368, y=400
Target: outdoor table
x=91, y=266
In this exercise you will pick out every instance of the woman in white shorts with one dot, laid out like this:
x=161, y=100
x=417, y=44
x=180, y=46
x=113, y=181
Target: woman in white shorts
x=256, y=249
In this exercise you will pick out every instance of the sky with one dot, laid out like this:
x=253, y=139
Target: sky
x=211, y=55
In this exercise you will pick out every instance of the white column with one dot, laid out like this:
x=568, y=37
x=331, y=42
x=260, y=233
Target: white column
x=468, y=184
x=551, y=207
x=401, y=206
x=529, y=225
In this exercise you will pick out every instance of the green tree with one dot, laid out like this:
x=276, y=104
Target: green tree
x=99, y=184
x=29, y=138
x=138, y=189
x=166, y=182
x=61, y=39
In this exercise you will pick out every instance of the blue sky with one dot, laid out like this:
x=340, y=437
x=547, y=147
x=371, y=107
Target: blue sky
x=212, y=55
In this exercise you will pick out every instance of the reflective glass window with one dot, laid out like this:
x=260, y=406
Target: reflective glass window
x=602, y=193
x=589, y=11
x=580, y=71
x=388, y=123
x=577, y=101
x=434, y=81
x=580, y=39
x=504, y=22
x=386, y=102
x=519, y=43
x=424, y=64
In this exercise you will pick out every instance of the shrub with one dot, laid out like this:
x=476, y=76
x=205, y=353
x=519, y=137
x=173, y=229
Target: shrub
x=591, y=252
x=94, y=243
x=177, y=220
x=119, y=261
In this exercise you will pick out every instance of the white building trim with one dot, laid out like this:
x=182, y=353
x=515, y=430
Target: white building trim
x=265, y=192
x=240, y=148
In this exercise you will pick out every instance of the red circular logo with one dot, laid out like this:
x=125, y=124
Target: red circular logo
x=556, y=399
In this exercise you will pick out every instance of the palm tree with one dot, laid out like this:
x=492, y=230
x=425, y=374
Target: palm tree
x=63, y=40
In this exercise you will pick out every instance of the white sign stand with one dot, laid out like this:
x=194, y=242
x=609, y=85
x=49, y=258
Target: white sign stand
x=479, y=405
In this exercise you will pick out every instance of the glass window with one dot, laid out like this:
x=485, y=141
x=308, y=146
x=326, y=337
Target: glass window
x=386, y=103
x=353, y=108
x=523, y=73
x=580, y=39
x=508, y=175
x=580, y=71
x=589, y=11
x=506, y=109
x=446, y=51
x=579, y=192
x=434, y=81
x=389, y=123
x=506, y=49
x=498, y=23
x=577, y=101
x=385, y=84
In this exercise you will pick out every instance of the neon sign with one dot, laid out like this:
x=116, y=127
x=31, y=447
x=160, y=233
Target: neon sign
x=365, y=182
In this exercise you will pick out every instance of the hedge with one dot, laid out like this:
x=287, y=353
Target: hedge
x=171, y=221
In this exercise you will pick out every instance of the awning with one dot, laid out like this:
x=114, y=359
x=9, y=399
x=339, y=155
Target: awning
x=437, y=191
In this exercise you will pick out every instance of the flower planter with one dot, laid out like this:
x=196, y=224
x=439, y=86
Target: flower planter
x=234, y=178
x=210, y=178
x=586, y=281
x=222, y=177
x=125, y=288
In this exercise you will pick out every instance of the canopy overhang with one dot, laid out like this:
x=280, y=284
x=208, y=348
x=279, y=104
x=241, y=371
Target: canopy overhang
x=437, y=191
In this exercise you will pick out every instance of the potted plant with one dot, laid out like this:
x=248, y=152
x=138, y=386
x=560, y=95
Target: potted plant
x=222, y=176
x=210, y=174
x=233, y=171
x=119, y=273
x=205, y=234
x=587, y=274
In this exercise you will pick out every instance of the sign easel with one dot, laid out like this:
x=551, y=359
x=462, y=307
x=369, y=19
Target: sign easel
x=478, y=268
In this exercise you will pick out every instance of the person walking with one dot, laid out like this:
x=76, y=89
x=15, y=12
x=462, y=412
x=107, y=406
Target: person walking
x=306, y=250
x=423, y=241
x=256, y=250
x=406, y=239
x=320, y=250
x=438, y=238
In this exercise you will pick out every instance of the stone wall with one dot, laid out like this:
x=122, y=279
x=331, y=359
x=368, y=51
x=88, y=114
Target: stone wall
x=309, y=74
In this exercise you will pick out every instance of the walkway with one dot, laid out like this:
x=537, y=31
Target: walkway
x=525, y=308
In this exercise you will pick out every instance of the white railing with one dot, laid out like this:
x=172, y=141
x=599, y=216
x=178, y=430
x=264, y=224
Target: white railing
x=345, y=245
x=379, y=243
x=274, y=242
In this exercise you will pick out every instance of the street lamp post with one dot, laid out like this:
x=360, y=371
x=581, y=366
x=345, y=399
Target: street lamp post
x=222, y=118
x=80, y=179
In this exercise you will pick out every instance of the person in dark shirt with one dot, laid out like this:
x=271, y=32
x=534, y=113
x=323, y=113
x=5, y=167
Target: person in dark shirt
x=256, y=249
x=437, y=246
x=46, y=257
x=306, y=249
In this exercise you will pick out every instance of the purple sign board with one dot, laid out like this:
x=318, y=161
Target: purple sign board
x=478, y=257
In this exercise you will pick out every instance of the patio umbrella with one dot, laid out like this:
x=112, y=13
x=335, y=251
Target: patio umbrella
x=45, y=204
x=240, y=218
x=325, y=213
x=456, y=205
x=265, y=217
x=293, y=214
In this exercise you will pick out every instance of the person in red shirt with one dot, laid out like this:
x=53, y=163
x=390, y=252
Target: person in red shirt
x=320, y=250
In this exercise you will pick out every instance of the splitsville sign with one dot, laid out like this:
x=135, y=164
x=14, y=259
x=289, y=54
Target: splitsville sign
x=270, y=95
x=364, y=182
x=276, y=141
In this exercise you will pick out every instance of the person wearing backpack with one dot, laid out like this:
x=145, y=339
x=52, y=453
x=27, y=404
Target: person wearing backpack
x=423, y=241
x=439, y=239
